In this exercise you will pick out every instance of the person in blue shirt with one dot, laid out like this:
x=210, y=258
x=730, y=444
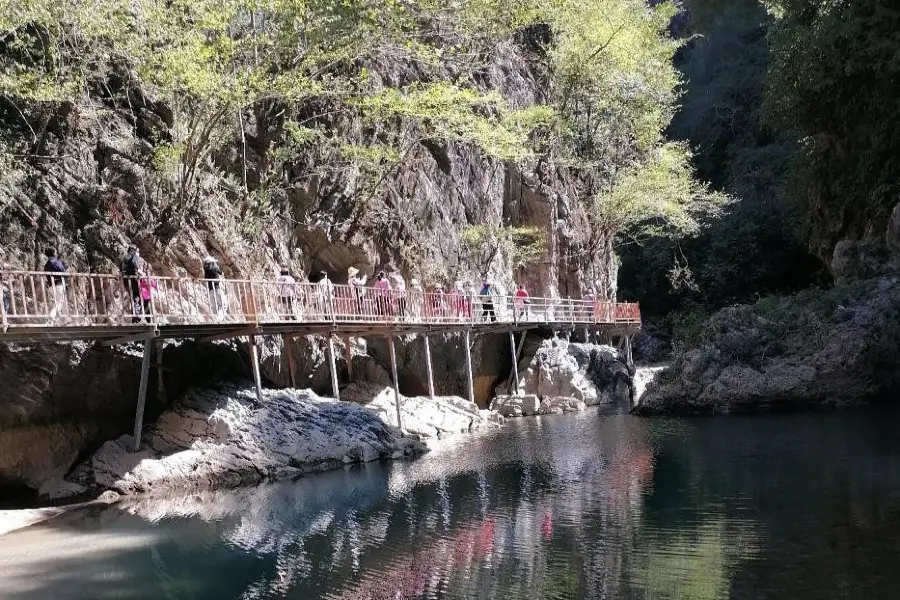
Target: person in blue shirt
x=57, y=284
x=487, y=302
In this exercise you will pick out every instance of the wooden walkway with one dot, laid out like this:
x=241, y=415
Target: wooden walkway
x=41, y=307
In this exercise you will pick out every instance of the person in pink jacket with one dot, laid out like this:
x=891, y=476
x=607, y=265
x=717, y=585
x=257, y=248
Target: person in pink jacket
x=146, y=286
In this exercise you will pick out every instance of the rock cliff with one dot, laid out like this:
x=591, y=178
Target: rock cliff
x=93, y=192
x=562, y=376
x=821, y=348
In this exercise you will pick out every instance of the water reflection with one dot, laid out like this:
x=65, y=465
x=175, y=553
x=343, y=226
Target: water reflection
x=582, y=506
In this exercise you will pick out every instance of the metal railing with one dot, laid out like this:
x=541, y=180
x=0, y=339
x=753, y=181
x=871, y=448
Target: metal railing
x=41, y=299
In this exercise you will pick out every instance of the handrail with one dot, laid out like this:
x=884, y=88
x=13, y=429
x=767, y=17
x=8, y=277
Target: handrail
x=44, y=299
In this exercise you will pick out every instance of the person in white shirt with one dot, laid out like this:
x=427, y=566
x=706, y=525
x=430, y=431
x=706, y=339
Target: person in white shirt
x=287, y=291
x=358, y=282
x=399, y=286
x=325, y=291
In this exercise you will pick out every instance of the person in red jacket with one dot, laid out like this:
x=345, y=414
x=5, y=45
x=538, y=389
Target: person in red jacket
x=521, y=301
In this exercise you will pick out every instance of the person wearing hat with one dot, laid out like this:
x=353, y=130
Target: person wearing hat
x=212, y=273
x=358, y=282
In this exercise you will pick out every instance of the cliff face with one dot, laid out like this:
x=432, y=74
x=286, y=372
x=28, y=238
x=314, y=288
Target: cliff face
x=91, y=193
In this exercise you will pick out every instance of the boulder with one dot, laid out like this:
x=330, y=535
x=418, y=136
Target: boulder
x=224, y=438
x=560, y=405
x=421, y=415
x=521, y=405
x=591, y=373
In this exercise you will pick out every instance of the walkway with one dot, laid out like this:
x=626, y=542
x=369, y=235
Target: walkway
x=47, y=307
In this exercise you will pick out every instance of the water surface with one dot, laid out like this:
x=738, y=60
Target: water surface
x=593, y=505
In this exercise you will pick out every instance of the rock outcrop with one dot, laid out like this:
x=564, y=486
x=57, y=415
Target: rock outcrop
x=832, y=348
x=224, y=438
x=421, y=415
x=565, y=376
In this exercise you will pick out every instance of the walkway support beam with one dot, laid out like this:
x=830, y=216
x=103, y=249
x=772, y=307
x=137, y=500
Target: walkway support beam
x=335, y=387
x=254, y=365
x=515, y=359
x=142, y=394
x=348, y=343
x=396, y=379
x=469, y=379
x=289, y=357
x=429, y=367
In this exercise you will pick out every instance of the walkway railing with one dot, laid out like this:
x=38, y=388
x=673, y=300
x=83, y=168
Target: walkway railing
x=40, y=299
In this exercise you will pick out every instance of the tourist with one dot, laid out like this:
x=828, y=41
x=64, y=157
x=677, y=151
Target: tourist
x=358, y=282
x=453, y=301
x=212, y=273
x=471, y=294
x=521, y=301
x=487, y=302
x=131, y=269
x=147, y=286
x=438, y=305
x=57, y=284
x=399, y=286
x=325, y=293
x=5, y=290
x=287, y=291
x=416, y=298
x=382, y=294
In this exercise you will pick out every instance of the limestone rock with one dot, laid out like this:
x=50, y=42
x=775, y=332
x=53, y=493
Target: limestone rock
x=560, y=405
x=755, y=361
x=422, y=416
x=521, y=405
x=589, y=373
x=223, y=438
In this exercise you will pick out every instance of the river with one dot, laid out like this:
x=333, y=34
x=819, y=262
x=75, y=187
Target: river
x=591, y=505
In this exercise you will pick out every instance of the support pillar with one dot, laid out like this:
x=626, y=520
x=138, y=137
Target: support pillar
x=160, y=378
x=254, y=364
x=515, y=360
x=334, y=375
x=629, y=358
x=471, y=386
x=142, y=394
x=395, y=378
x=428, y=367
x=347, y=343
x=289, y=356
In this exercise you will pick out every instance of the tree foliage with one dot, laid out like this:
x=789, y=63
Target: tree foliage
x=833, y=84
x=254, y=97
